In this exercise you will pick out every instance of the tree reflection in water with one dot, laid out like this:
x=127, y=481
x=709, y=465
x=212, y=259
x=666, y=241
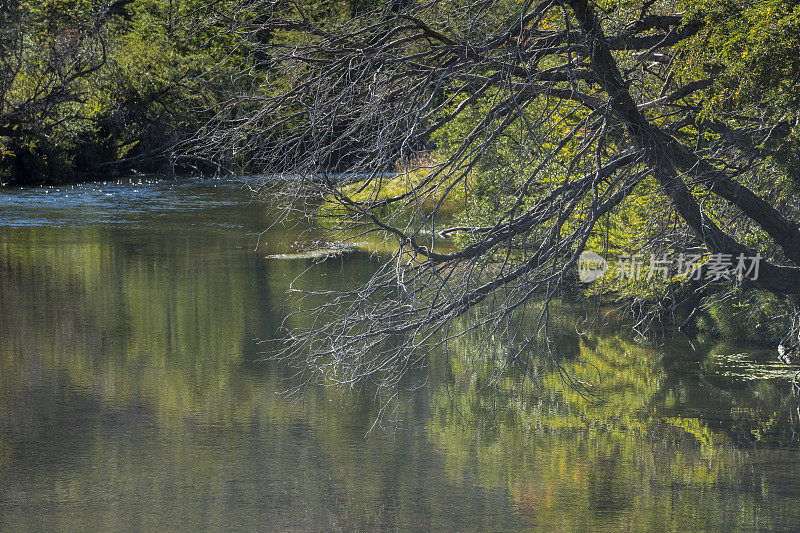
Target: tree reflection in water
x=131, y=395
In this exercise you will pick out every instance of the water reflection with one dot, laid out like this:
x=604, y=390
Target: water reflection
x=132, y=396
x=658, y=448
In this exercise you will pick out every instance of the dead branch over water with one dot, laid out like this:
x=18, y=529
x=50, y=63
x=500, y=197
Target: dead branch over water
x=593, y=105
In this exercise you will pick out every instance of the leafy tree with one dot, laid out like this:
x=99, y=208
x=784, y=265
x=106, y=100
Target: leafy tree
x=48, y=50
x=91, y=89
x=561, y=126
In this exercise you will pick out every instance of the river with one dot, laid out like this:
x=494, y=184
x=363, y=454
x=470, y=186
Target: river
x=134, y=396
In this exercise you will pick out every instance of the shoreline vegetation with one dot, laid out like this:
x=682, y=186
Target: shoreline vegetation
x=94, y=90
x=742, y=316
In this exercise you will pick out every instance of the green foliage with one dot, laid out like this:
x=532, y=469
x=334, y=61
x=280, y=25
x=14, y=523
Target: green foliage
x=756, y=43
x=91, y=86
x=752, y=316
x=750, y=51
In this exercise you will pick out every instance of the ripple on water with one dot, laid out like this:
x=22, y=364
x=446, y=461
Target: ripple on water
x=749, y=366
x=118, y=202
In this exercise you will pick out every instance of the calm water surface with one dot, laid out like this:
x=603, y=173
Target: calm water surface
x=132, y=397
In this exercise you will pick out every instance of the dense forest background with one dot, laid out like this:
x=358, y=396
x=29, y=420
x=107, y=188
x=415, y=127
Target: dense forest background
x=92, y=89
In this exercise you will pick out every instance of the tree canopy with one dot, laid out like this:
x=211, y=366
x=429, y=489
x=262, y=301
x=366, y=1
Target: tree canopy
x=91, y=89
x=531, y=132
